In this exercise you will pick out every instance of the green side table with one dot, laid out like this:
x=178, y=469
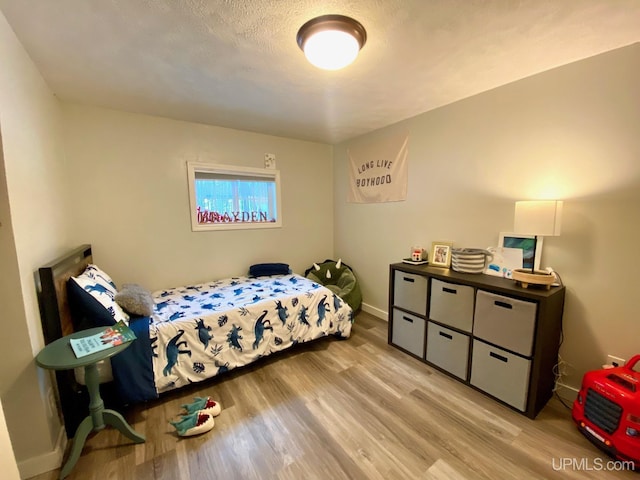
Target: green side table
x=59, y=355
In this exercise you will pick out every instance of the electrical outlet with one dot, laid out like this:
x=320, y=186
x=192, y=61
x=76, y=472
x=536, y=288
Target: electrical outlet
x=615, y=361
x=269, y=160
x=51, y=401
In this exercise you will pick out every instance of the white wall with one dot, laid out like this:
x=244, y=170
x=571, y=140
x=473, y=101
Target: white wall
x=12, y=309
x=571, y=134
x=128, y=175
x=34, y=230
x=8, y=465
x=127, y=196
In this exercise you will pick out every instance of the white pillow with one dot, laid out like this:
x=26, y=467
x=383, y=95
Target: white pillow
x=93, y=271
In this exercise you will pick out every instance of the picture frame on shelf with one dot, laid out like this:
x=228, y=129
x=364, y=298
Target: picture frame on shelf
x=526, y=244
x=441, y=254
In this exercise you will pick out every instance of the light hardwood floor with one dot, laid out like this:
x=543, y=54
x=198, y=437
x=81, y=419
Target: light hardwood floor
x=350, y=409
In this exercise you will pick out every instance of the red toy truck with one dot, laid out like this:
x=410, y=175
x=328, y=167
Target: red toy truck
x=607, y=410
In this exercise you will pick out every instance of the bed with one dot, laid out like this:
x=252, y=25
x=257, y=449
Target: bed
x=193, y=333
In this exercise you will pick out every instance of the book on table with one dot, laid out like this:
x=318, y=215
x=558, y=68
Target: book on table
x=108, y=338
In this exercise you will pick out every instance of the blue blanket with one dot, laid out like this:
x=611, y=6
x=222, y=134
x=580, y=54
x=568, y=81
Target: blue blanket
x=133, y=369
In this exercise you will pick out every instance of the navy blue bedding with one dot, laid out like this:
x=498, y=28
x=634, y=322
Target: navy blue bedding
x=133, y=368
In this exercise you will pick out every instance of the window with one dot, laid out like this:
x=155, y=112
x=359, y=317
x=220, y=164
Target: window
x=227, y=197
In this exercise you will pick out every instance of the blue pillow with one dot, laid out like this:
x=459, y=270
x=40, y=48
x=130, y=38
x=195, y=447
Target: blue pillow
x=100, y=286
x=263, y=269
x=86, y=311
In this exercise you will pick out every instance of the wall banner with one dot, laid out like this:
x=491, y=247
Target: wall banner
x=378, y=171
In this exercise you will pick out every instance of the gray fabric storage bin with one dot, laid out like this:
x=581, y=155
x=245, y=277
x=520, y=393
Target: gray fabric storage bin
x=501, y=374
x=408, y=332
x=448, y=349
x=452, y=304
x=505, y=321
x=410, y=292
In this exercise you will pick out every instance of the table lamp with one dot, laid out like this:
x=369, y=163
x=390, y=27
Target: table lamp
x=537, y=218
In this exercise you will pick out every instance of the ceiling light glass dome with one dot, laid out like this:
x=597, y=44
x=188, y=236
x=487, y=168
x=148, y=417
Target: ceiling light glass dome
x=331, y=42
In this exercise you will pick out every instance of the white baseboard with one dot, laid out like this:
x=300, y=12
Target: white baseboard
x=376, y=312
x=46, y=462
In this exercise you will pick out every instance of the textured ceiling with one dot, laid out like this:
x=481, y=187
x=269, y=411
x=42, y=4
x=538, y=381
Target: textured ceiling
x=236, y=63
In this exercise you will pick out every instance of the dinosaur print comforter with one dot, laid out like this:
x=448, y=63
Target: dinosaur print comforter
x=200, y=331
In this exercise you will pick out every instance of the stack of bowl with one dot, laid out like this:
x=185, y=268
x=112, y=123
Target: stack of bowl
x=470, y=260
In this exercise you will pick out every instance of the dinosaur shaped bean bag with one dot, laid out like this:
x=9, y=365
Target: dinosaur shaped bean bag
x=339, y=278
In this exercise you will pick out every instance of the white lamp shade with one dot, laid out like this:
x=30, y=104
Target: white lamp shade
x=331, y=49
x=331, y=42
x=538, y=217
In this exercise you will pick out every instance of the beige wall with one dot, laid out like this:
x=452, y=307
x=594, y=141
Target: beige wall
x=129, y=177
x=123, y=189
x=571, y=134
x=12, y=309
x=8, y=465
x=34, y=230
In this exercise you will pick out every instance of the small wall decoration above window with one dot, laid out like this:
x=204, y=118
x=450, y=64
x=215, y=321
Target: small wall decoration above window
x=225, y=197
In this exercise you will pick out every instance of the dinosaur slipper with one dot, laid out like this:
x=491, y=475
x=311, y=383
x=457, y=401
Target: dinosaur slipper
x=194, y=424
x=203, y=404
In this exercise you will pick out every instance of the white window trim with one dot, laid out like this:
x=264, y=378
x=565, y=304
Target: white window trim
x=193, y=167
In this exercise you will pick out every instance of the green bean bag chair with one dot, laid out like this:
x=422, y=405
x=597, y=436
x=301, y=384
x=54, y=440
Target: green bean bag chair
x=339, y=278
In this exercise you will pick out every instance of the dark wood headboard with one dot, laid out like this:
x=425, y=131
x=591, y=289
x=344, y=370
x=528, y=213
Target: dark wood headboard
x=51, y=285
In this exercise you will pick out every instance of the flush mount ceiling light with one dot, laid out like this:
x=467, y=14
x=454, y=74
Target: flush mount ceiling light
x=331, y=42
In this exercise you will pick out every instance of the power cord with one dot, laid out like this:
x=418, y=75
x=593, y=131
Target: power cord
x=559, y=372
x=556, y=275
x=568, y=407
